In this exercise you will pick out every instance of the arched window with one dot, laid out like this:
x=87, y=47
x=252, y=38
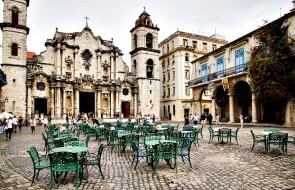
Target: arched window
x=149, y=68
x=149, y=40
x=14, y=16
x=186, y=57
x=14, y=49
x=135, y=41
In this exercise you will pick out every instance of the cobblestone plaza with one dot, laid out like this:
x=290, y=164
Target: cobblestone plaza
x=214, y=166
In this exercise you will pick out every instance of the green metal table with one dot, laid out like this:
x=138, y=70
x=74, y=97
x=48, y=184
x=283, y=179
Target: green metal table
x=72, y=149
x=155, y=142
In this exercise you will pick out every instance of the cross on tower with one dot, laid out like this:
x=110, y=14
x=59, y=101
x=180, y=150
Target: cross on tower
x=144, y=8
x=86, y=18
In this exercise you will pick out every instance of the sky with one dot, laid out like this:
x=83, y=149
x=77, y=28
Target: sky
x=115, y=18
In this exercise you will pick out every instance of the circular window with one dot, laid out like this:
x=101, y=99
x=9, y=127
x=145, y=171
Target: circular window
x=87, y=55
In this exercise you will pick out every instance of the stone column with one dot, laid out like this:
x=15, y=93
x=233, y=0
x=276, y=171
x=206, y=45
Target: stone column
x=135, y=101
x=112, y=101
x=63, y=63
x=98, y=102
x=118, y=92
x=58, y=102
x=58, y=60
x=112, y=66
x=231, y=108
x=64, y=103
x=29, y=105
x=98, y=54
x=287, y=114
x=254, y=110
x=52, y=102
x=213, y=108
x=199, y=107
x=76, y=74
x=76, y=100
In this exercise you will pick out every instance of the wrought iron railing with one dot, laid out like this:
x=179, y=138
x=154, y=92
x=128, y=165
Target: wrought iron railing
x=243, y=68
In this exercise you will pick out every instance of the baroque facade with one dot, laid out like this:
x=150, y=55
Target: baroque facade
x=177, y=52
x=225, y=73
x=78, y=71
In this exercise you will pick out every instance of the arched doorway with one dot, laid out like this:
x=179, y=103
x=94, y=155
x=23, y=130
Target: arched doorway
x=242, y=100
x=206, y=102
x=222, y=102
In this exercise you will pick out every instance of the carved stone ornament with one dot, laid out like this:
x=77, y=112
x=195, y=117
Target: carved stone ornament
x=69, y=60
x=125, y=91
x=69, y=94
x=40, y=86
x=105, y=64
x=88, y=78
x=87, y=56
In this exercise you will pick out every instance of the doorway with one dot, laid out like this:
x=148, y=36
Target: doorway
x=87, y=102
x=125, y=109
x=41, y=106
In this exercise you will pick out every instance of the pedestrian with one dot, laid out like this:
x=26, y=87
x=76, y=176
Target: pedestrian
x=209, y=119
x=186, y=119
x=67, y=120
x=154, y=118
x=33, y=124
x=1, y=127
x=241, y=120
x=9, y=128
x=15, y=122
x=129, y=119
x=20, y=122
x=45, y=123
x=195, y=119
x=203, y=119
x=49, y=119
x=217, y=118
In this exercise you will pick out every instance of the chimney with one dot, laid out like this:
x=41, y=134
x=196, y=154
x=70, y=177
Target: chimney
x=292, y=10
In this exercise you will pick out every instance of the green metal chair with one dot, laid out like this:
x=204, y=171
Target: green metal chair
x=278, y=139
x=139, y=154
x=235, y=134
x=224, y=133
x=129, y=140
x=165, y=151
x=212, y=134
x=291, y=140
x=258, y=139
x=185, y=149
x=94, y=160
x=115, y=141
x=63, y=162
x=48, y=145
x=39, y=162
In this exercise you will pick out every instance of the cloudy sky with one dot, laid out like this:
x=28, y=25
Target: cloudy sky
x=114, y=18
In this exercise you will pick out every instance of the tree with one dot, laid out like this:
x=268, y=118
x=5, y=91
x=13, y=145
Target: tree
x=272, y=65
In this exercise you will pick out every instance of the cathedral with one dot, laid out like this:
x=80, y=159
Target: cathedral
x=78, y=71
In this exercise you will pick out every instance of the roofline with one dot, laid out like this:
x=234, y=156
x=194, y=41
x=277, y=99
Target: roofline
x=180, y=33
x=242, y=38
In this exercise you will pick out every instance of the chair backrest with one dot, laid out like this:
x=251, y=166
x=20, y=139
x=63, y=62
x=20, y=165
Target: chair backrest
x=75, y=143
x=253, y=135
x=189, y=128
x=225, y=131
x=151, y=138
x=34, y=155
x=186, y=144
x=166, y=148
x=63, y=158
x=99, y=152
x=278, y=137
x=210, y=130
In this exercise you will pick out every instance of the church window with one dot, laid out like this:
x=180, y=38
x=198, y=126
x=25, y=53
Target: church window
x=214, y=47
x=14, y=49
x=164, y=77
x=150, y=82
x=13, y=80
x=185, y=42
x=174, y=110
x=87, y=55
x=105, y=71
x=149, y=68
x=164, y=110
x=125, y=91
x=148, y=22
x=168, y=92
x=135, y=41
x=205, y=46
x=195, y=44
x=149, y=40
x=150, y=92
x=151, y=101
x=172, y=45
x=40, y=86
x=134, y=65
x=168, y=49
x=186, y=57
x=14, y=16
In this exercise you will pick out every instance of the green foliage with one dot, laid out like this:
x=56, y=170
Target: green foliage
x=272, y=64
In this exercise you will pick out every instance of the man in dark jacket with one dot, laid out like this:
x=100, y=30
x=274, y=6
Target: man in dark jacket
x=209, y=119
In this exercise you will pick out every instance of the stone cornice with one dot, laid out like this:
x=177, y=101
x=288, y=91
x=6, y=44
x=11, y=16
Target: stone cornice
x=55, y=44
x=144, y=49
x=145, y=26
x=5, y=24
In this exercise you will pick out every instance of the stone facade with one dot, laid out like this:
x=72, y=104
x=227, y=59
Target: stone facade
x=177, y=51
x=78, y=72
x=230, y=63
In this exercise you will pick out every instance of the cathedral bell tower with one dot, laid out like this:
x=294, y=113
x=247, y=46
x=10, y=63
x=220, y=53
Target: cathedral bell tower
x=14, y=48
x=145, y=64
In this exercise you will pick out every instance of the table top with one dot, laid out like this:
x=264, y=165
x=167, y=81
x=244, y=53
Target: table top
x=187, y=132
x=155, y=142
x=60, y=138
x=73, y=149
x=125, y=133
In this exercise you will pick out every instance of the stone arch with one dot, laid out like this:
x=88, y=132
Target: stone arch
x=241, y=92
x=222, y=103
x=149, y=68
x=149, y=40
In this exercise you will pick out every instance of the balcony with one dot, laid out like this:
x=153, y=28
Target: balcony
x=243, y=68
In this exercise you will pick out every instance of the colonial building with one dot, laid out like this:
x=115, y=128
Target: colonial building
x=177, y=52
x=78, y=71
x=230, y=65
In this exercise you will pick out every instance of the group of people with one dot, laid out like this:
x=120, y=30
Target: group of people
x=202, y=119
x=10, y=125
x=149, y=118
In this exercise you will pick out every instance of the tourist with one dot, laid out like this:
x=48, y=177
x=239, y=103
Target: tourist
x=67, y=120
x=195, y=119
x=209, y=119
x=49, y=119
x=15, y=122
x=45, y=123
x=9, y=128
x=241, y=119
x=217, y=120
x=33, y=124
x=20, y=122
x=129, y=119
x=154, y=118
x=203, y=119
x=186, y=119
x=1, y=127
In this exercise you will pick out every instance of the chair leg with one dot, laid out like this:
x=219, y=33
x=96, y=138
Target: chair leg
x=37, y=174
x=182, y=159
x=99, y=167
x=51, y=176
x=253, y=147
x=133, y=160
x=136, y=163
x=33, y=176
x=237, y=139
x=77, y=178
x=189, y=160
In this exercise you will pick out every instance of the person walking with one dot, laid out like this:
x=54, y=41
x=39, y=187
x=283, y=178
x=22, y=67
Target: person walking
x=33, y=124
x=20, y=123
x=241, y=120
x=217, y=119
x=203, y=119
x=15, y=122
x=209, y=119
x=195, y=119
x=9, y=128
x=186, y=119
x=45, y=123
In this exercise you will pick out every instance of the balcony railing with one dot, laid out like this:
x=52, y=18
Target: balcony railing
x=243, y=68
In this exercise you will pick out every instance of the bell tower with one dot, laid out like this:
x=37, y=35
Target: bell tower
x=14, y=48
x=145, y=64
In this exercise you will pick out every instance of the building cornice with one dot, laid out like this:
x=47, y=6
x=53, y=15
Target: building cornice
x=144, y=49
x=145, y=26
x=10, y=25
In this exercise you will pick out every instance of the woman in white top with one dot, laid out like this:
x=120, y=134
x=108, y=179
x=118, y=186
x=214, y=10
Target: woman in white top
x=241, y=119
x=9, y=128
x=33, y=124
